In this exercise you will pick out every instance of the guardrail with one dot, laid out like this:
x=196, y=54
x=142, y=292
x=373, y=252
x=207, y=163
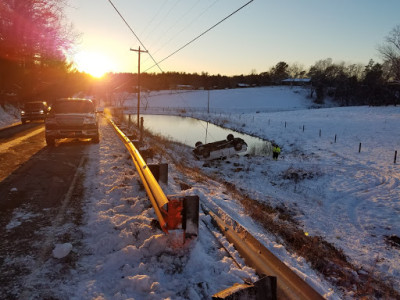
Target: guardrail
x=173, y=212
x=289, y=284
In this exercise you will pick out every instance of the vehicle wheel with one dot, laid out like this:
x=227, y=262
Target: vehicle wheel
x=229, y=137
x=198, y=144
x=96, y=139
x=238, y=146
x=50, y=141
x=206, y=153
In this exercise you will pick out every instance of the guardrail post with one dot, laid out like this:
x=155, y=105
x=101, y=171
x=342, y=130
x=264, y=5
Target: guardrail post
x=183, y=213
x=160, y=172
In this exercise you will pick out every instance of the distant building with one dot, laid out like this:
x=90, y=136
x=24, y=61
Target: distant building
x=243, y=85
x=182, y=87
x=296, y=81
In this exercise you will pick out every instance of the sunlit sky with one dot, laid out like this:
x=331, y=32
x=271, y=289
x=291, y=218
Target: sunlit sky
x=256, y=38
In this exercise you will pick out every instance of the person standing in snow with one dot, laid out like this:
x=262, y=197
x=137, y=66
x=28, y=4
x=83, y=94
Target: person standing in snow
x=275, y=151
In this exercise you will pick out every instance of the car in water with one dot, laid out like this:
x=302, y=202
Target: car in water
x=35, y=110
x=219, y=149
x=71, y=118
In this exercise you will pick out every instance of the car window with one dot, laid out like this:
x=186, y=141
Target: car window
x=72, y=107
x=32, y=106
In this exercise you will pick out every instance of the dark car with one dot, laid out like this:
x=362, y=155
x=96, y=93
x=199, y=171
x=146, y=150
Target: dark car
x=36, y=110
x=72, y=118
x=224, y=148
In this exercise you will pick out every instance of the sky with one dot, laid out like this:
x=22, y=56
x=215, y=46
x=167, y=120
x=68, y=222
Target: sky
x=254, y=39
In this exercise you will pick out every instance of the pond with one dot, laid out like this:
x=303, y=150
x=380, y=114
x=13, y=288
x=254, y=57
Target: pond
x=188, y=131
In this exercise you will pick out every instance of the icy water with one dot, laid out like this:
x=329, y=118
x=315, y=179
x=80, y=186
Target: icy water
x=188, y=131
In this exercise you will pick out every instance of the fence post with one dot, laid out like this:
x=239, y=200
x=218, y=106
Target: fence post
x=395, y=156
x=335, y=138
x=359, y=148
x=320, y=133
x=303, y=128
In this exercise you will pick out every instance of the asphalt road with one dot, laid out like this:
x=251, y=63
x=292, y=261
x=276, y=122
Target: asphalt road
x=40, y=191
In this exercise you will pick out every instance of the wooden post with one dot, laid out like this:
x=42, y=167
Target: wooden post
x=359, y=148
x=335, y=138
x=395, y=156
x=138, y=83
x=303, y=128
x=208, y=103
x=320, y=133
x=141, y=129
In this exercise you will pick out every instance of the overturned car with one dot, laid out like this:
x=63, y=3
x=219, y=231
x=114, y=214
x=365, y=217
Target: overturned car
x=224, y=148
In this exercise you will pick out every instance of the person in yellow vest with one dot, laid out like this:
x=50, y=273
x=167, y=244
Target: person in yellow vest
x=275, y=151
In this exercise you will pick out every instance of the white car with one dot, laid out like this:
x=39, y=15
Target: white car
x=224, y=148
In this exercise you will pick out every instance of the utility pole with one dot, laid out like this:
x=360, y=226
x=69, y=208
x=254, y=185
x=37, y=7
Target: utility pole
x=138, y=100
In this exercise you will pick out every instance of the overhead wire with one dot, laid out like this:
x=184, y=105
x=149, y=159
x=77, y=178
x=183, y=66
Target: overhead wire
x=163, y=34
x=200, y=35
x=130, y=28
x=165, y=16
x=154, y=17
x=185, y=27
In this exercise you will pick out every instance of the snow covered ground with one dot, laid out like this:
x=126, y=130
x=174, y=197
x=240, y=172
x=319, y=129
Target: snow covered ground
x=350, y=198
x=348, y=195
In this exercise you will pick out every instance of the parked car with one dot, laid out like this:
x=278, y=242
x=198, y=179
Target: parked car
x=224, y=148
x=72, y=118
x=36, y=110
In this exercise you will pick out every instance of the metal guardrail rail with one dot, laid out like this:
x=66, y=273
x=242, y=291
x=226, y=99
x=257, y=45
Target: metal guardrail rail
x=156, y=195
x=289, y=284
x=173, y=212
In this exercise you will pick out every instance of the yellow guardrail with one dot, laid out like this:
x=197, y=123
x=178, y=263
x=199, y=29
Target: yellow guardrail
x=153, y=189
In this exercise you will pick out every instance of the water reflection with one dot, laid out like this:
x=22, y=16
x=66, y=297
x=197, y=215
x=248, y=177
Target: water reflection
x=188, y=131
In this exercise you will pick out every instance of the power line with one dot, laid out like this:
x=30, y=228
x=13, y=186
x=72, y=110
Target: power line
x=177, y=21
x=165, y=16
x=185, y=27
x=199, y=36
x=153, y=18
x=156, y=64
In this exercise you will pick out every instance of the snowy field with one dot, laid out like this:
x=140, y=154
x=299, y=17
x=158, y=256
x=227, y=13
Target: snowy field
x=348, y=195
x=350, y=198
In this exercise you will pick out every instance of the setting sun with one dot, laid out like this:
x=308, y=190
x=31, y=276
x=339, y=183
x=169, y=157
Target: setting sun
x=95, y=64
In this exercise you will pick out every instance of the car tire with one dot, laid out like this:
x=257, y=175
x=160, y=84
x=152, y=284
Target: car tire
x=206, y=153
x=230, y=137
x=50, y=141
x=96, y=139
x=238, y=146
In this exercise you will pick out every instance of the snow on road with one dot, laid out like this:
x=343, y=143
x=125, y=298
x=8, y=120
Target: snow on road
x=127, y=256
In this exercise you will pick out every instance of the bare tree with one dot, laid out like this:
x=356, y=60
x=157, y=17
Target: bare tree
x=296, y=70
x=34, y=40
x=390, y=52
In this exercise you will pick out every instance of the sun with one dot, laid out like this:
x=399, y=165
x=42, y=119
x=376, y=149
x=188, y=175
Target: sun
x=93, y=63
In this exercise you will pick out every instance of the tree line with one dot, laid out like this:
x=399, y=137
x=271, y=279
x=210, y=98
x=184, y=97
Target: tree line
x=35, y=39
